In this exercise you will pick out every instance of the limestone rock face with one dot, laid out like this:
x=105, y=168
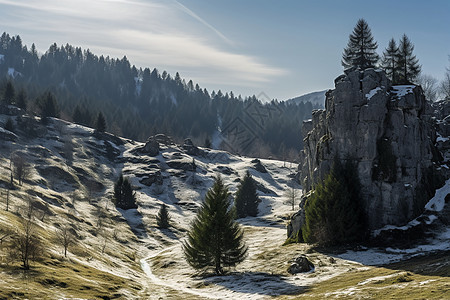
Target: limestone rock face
x=387, y=131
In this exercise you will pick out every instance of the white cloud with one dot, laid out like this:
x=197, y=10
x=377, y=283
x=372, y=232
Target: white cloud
x=162, y=34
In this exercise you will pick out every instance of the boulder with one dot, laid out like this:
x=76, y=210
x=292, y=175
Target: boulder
x=301, y=264
x=258, y=166
x=151, y=147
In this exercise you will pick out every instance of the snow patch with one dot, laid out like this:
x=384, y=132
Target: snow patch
x=441, y=139
x=13, y=73
x=402, y=90
x=2, y=57
x=138, y=83
x=438, y=201
x=372, y=93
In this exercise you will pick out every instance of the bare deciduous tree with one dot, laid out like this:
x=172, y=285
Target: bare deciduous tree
x=20, y=167
x=25, y=245
x=445, y=85
x=292, y=195
x=429, y=86
x=65, y=236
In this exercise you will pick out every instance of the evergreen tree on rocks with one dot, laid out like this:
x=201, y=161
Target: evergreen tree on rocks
x=389, y=62
x=246, y=200
x=100, y=123
x=124, y=197
x=408, y=64
x=361, y=48
x=215, y=240
x=163, y=217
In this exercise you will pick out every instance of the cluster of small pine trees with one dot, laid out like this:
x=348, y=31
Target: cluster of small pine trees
x=399, y=63
x=124, y=197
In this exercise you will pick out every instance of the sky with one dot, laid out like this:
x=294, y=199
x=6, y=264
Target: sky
x=274, y=49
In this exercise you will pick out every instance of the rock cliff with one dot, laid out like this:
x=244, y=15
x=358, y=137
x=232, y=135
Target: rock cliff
x=388, y=131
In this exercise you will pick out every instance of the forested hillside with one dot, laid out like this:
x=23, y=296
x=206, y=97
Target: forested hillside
x=138, y=103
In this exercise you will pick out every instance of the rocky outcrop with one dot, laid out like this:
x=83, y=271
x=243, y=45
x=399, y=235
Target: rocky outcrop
x=151, y=147
x=258, y=166
x=190, y=149
x=387, y=131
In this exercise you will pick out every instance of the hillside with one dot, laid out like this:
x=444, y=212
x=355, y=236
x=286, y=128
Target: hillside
x=140, y=102
x=123, y=255
x=317, y=99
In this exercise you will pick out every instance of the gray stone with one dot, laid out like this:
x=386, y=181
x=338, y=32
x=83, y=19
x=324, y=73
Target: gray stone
x=151, y=147
x=300, y=264
x=258, y=166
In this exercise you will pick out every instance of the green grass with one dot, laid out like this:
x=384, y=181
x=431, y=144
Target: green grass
x=418, y=278
x=56, y=278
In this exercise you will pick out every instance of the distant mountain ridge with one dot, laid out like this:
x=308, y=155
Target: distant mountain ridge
x=316, y=98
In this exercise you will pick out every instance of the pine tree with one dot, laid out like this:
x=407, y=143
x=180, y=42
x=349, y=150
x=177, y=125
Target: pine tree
x=389, y=61
x=9, y=94
x=408, y=64
x=246, y=201
x=100, y=123
x=215, y=240
x=332, y=212
x=48, y=107
x=361, y=48
x=77, y=116
x=124, y=197
x=163, y=218
x=21, y=100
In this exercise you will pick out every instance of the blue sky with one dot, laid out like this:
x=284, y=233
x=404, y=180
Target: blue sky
x=281, y=48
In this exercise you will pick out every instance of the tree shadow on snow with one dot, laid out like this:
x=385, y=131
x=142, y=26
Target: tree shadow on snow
x=136, y=222
x=257, y=283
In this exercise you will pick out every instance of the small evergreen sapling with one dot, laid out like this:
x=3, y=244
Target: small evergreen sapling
x=163, y=217
x=246, y=201
x=100, y=123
